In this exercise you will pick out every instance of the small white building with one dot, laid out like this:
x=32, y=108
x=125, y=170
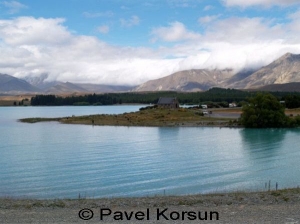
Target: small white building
x=204, y=106
x=231, y=105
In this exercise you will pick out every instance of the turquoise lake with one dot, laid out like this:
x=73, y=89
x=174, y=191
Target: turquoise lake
x=52, y=160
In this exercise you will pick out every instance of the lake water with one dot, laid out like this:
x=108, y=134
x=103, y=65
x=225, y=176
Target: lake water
x=52, y=160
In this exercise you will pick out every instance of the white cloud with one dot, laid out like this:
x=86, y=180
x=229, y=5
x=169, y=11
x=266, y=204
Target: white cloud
x=173, y=33
x=294, y=26
x=32, y=46
x=259, y=2
x=103, y=29
x=25, y=50
x=133, y=21
x=245, y=30
x=13, y=6
x=208, y=19
x=28, y=30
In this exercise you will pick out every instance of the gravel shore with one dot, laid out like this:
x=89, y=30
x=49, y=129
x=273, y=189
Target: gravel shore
x=282, y=206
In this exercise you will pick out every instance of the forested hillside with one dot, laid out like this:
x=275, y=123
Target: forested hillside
x=212, y=95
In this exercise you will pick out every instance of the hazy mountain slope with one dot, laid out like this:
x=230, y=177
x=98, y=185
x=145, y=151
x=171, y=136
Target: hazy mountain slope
x=234, y=81
x=287, y=87
x=36, y=80
x=65, y=88
x=189, y=80
x=40, y=81
x=98, y=88
x=11, y=84
x=286, y=69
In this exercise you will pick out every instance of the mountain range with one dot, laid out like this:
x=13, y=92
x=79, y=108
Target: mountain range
x=11, y=84
x=189, y=80
x=38, y=85
x=282, y=74
x=284, y=70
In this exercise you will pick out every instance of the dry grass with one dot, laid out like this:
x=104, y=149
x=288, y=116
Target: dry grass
x=294, y=112
x=150, y=117
x=9, y=100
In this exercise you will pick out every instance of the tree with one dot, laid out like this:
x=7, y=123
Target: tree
x=264, y=111
x=292, y=101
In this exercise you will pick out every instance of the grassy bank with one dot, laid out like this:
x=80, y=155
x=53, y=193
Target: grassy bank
x=149, y=117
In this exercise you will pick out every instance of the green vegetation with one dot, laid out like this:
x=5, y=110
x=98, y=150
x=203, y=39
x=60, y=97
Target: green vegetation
x=145, y=117
x=224, y=96
x=38, y=119
x=215, y=97
x=81, y=104
x=265, y=111
x=292, y=101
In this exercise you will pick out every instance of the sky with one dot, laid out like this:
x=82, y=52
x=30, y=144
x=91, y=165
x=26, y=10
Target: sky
x=128, y=42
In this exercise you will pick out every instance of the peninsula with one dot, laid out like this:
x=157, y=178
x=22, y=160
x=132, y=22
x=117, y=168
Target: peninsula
x=156, y=117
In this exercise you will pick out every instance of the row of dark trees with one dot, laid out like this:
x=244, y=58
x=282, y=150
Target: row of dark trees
x=292, y=101
x=222, y=96
x=52, y=100
x=214, y=95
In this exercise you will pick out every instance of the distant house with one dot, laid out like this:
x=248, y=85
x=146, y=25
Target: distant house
x=204, y=106
x=168, y=102
x=231, y=105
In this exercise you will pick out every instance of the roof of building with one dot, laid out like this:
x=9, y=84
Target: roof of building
x=166, y=100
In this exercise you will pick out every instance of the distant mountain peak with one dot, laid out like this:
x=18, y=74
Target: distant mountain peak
x=10, y=84
x=288, y=54
x=285, y=69
x=288, y=57
x=188, y=80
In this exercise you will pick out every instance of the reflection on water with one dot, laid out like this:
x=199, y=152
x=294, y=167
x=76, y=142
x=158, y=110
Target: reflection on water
x=263, y=142
x=271, y=153
x=51, y=160
x=266, y=138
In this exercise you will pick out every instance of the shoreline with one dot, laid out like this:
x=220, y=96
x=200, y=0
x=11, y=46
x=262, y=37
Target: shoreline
x=209, y=197
x=177, y=125
x=150, y=118
x=281, y=206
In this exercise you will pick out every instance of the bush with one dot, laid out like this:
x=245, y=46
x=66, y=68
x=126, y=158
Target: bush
x=264, y=111
x=81, y=104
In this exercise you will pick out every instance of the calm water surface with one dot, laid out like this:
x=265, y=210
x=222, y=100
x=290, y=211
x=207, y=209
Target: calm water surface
x=52, y=160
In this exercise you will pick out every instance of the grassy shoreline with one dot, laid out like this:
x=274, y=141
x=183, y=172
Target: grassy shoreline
x=156, y=117
x=159, y=117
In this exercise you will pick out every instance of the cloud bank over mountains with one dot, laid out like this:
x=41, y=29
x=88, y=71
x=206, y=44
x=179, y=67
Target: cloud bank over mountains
x=31, y=46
